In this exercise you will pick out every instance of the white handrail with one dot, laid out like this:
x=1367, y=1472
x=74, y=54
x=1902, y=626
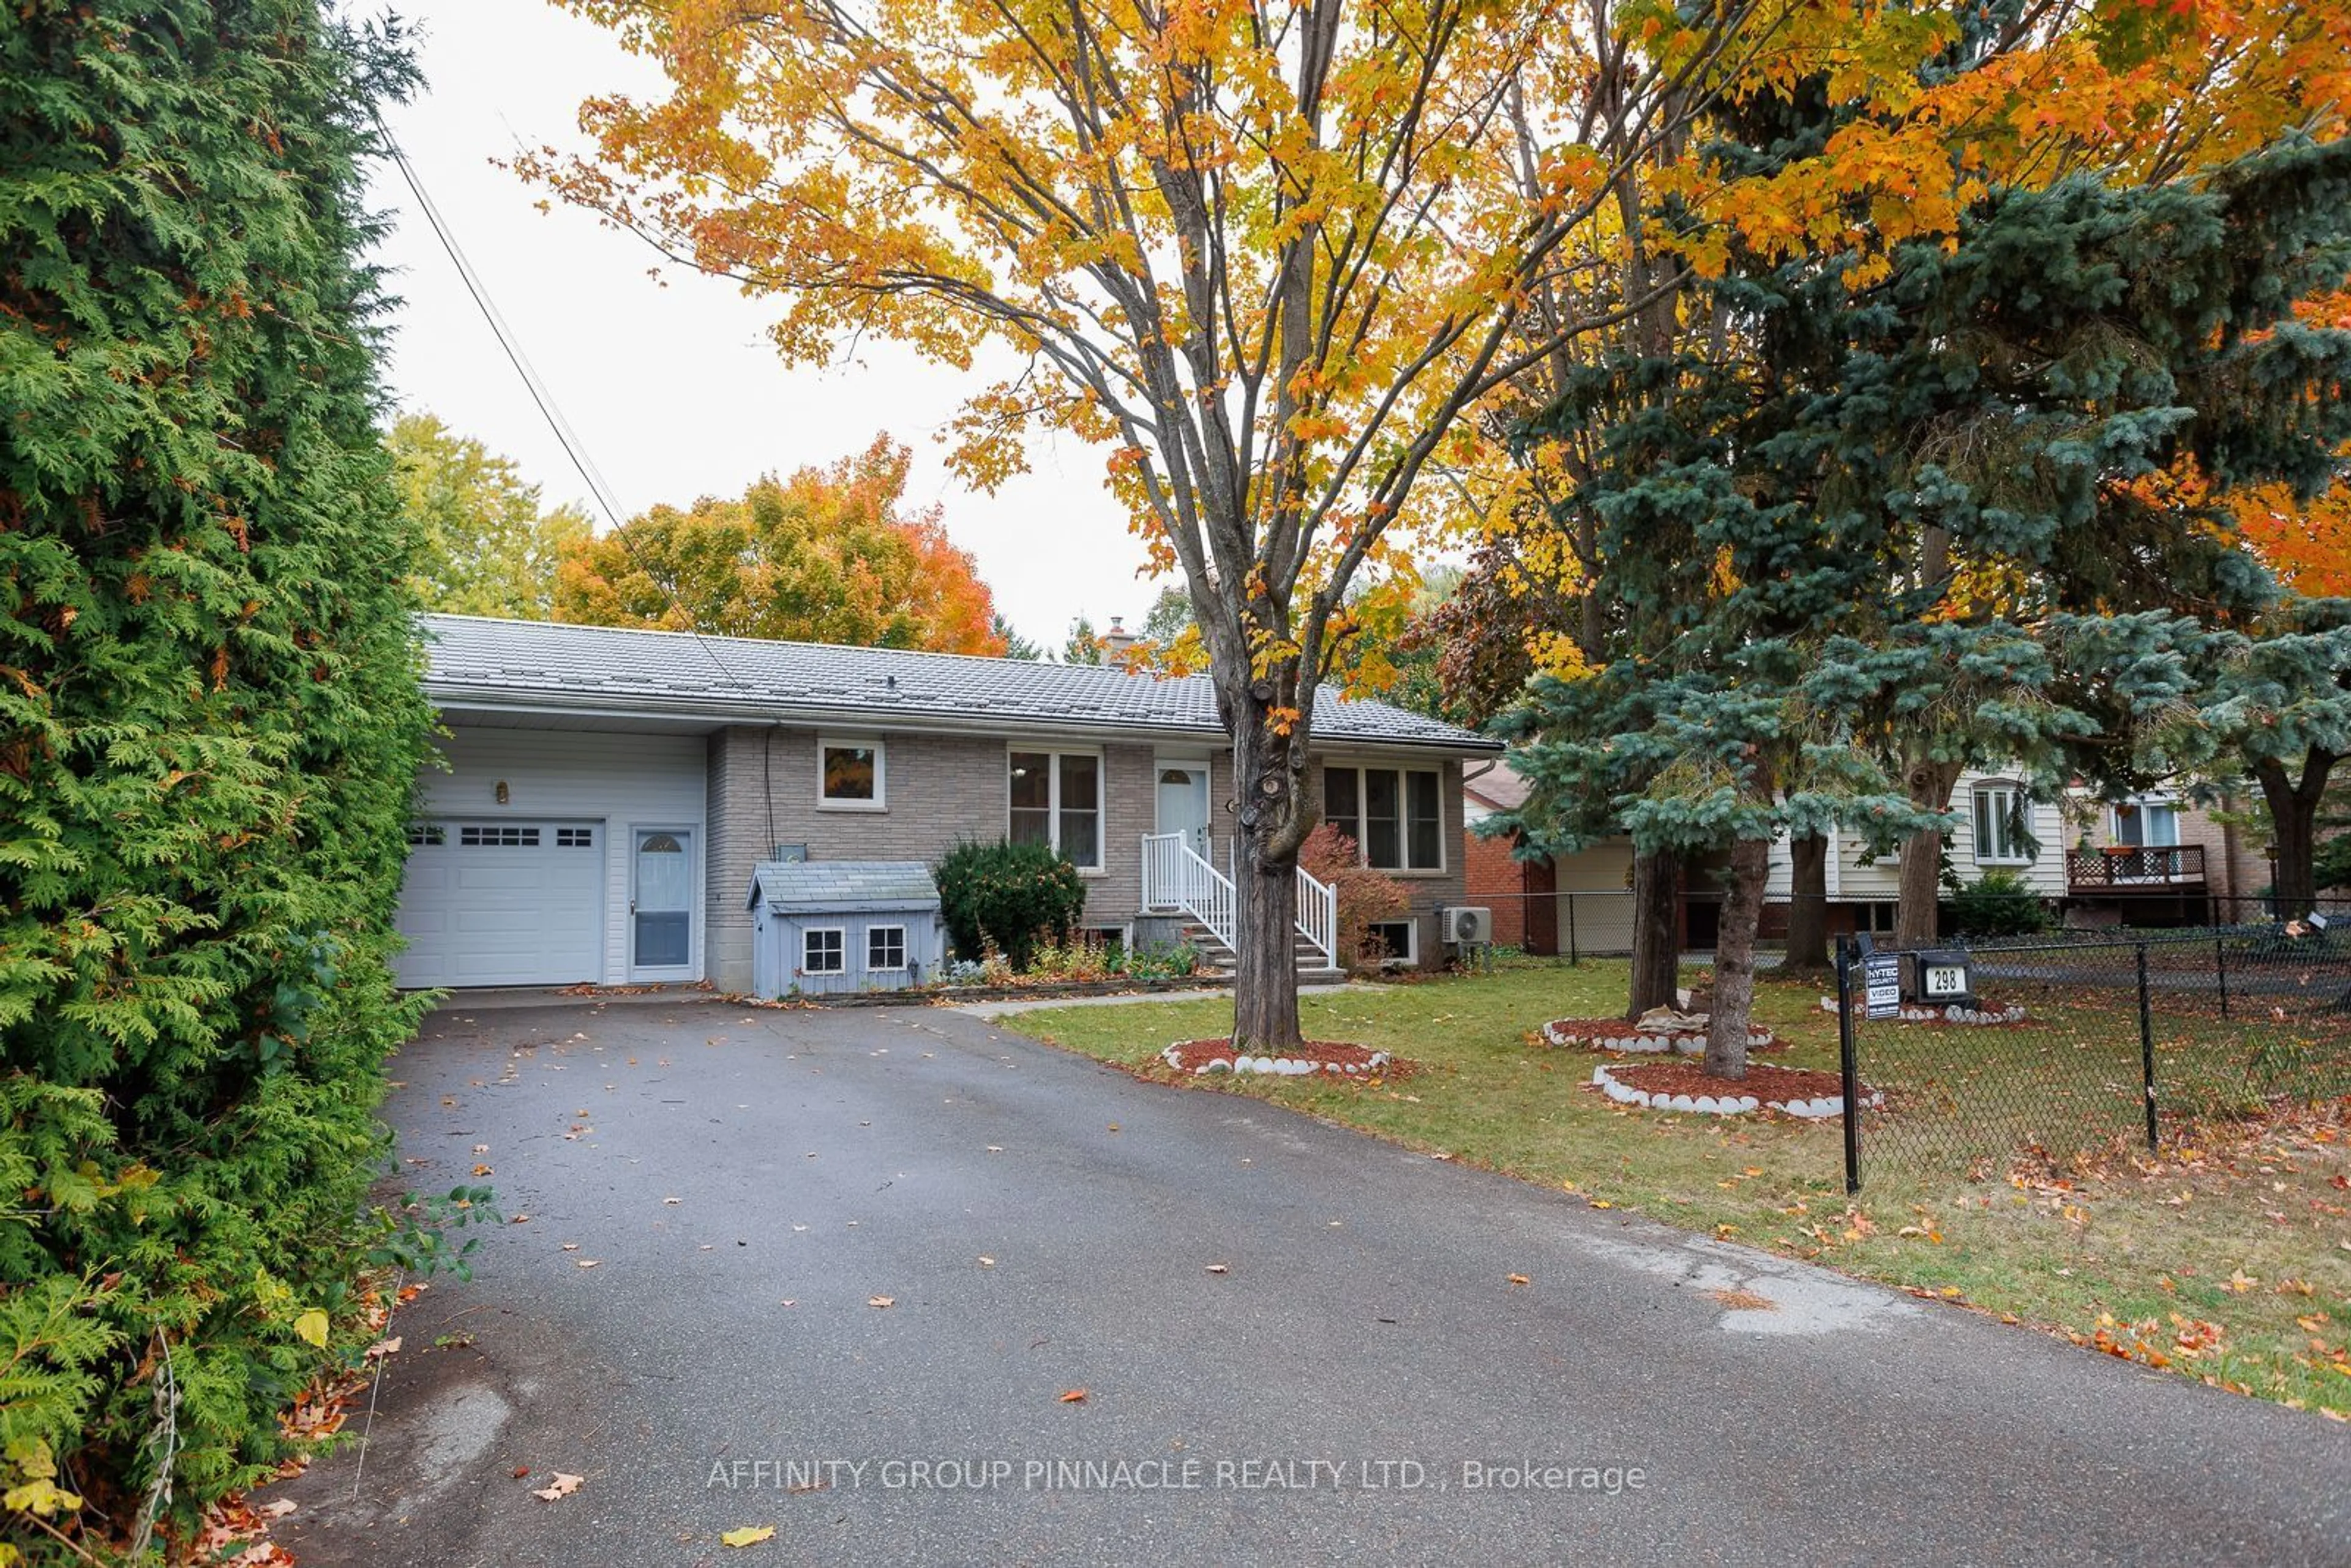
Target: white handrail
x=1318, y=915
x=1175, y=876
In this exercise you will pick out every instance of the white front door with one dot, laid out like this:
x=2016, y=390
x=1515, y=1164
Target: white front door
x=1184, y=806
x=661, y=905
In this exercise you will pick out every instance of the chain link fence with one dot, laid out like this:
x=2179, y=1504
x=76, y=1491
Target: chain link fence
x=2055, y=1049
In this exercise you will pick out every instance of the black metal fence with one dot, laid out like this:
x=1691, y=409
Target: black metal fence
x=2061, y=1048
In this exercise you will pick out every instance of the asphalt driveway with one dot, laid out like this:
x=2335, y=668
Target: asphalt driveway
x=1296, y=1345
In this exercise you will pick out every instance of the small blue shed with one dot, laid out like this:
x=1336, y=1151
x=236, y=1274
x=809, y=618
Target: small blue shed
x=824, y=927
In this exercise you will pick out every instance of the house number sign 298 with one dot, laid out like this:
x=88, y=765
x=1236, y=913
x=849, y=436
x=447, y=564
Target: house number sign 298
x=1946, y=980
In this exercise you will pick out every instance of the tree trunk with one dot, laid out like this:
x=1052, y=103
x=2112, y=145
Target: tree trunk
x=2293, y=814
x=1269, y=789
x=1808, y=902
x=1656, y=946
x=1916, y=923
x=1734, y=960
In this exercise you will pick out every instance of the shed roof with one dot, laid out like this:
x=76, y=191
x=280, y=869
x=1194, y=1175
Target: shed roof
x=816, y=886
x=471, y=660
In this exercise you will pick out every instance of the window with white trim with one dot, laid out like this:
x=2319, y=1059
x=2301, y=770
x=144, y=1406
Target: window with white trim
x=2002, y=836
x=851, y=775
x=822, y=951
x=1393, y=814
x=885, y=947
x=1057, y=800
x=575, y=837
x=2147, y=824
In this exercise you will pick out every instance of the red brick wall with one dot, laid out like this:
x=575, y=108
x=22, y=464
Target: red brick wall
x=1490, y=877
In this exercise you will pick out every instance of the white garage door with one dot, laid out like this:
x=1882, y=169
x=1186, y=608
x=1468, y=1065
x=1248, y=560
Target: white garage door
x=502, y=903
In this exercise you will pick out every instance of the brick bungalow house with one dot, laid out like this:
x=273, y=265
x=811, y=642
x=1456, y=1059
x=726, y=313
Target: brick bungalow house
x=604, y=794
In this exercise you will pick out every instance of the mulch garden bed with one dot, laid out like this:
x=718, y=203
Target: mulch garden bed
x=1317, y=1056
x=1686, y=1086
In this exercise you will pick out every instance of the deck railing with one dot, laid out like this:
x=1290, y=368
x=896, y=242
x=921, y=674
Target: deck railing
x=2131, y=866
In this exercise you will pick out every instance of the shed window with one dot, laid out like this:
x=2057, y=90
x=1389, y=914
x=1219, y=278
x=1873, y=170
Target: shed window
x=885, y=947
x=822, y=952
x=851, y=774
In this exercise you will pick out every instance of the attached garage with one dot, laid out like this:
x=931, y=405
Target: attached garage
x=502, y=903
x=552, y=857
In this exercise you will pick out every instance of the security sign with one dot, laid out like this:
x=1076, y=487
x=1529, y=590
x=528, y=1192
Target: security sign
x=1882, y=976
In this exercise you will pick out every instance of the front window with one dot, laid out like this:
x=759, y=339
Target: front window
x=2001, y=836
x=2147, y=824
x=1393, y=814
x=1057, y=800
x=885, y=947
x=850, y=774
x=821, y=952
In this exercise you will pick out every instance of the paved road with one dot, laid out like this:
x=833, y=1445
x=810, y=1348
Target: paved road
x=1364, y=1338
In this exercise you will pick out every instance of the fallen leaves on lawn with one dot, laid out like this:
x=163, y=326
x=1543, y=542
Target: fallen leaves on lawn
x=749, y=1535
x=561, y=1486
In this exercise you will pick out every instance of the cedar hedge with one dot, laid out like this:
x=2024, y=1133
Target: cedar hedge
x=209, y=726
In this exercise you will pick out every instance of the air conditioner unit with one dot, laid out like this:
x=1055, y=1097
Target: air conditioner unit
x=1467, y=927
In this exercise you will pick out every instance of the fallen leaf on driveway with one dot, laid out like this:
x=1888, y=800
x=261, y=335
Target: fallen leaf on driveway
x=520, y=1471
x=1073, y=1396
x=672, y=1201
x=881, y=1301
x=749, y=1535
x=383, y=1347
x=481, y=1148
x=585, y=1262
x=995, y=1148
x=571, y=1247
x=988, y=1262
x=484, y=1170
x=519, y=1219
x=1520, y=1279
x=1219, y=1269
x=277, y=1509
x=563, y=1486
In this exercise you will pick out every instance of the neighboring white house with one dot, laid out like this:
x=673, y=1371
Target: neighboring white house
x=1998, y=829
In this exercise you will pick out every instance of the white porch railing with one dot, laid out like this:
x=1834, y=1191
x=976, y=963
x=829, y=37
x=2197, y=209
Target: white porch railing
x=1175, y=876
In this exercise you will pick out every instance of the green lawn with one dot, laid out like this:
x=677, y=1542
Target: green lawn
x=2228, y=1258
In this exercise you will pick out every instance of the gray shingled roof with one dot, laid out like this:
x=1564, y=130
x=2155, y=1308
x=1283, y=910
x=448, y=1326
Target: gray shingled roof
x=475, y=661
x=789, y=885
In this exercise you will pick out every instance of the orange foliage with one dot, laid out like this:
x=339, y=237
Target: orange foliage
x=823, y=556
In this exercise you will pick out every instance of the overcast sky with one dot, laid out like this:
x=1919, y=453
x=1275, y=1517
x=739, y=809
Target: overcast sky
x=673, y=391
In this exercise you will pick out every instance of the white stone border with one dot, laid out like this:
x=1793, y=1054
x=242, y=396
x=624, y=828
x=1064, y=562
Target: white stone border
x=1629, y=1039
x=1723, y=1105
x=1279, y=1066
x=1952, y=1013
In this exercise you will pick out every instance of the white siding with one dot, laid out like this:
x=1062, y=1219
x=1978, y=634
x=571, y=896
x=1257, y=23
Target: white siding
x=625, y=781
x=1881, y=880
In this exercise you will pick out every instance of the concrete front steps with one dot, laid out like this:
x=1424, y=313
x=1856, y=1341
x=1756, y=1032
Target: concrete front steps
x=1219, y=959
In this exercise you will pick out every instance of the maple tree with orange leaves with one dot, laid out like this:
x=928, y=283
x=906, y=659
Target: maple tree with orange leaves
x=818, y=556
